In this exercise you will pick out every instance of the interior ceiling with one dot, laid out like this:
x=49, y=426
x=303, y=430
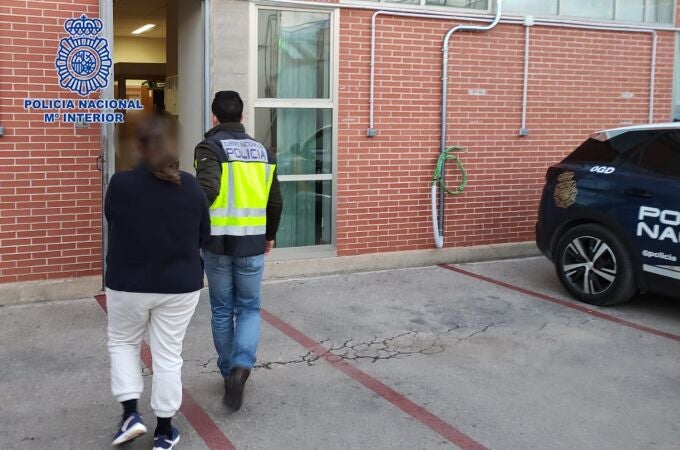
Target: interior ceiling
x=128, y=15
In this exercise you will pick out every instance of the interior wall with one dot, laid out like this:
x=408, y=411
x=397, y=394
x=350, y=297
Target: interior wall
x=139, y=50
x=190, y=79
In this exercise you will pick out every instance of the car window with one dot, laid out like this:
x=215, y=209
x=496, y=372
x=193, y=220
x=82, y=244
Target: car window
x=662, y=155
x=610, y=151
x=632, y=141
x=594, y=151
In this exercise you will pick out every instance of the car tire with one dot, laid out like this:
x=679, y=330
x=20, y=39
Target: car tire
x=594, y=266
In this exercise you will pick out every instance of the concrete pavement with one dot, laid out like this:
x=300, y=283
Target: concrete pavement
x=402, y=359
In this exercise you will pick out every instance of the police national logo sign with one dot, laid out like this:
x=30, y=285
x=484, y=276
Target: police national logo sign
x=83, y=60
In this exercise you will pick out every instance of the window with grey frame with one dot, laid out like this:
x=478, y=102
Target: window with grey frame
x=469, y=4
x=294, y=118
x=638, y=11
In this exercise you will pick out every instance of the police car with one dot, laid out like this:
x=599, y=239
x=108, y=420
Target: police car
x=609, y=216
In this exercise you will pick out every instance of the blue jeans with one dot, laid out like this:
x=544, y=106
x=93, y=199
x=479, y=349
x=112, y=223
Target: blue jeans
x=234, y=284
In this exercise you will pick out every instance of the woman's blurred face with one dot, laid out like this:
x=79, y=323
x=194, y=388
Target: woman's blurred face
x=156, y=145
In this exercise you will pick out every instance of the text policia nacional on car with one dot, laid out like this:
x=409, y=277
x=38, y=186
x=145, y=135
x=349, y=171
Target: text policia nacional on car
x=667, y=226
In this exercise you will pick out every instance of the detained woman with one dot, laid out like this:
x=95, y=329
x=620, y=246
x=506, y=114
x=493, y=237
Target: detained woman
x=158, y=218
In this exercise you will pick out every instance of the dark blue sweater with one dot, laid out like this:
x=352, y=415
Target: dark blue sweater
x=156, y=229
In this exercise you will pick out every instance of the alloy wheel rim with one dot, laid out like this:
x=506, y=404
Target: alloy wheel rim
x=589, y=264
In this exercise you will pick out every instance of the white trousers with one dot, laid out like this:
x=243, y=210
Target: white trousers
x=166, y=317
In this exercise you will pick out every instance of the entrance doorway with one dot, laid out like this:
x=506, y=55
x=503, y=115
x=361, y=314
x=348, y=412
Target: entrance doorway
x=159, y=58
x=145, y=66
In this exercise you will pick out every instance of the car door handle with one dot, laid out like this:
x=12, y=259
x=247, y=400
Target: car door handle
x=635, y=192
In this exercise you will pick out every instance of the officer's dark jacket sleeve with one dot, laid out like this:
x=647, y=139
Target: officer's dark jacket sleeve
x=204, y=235
x=274, y=208
x=208, y=171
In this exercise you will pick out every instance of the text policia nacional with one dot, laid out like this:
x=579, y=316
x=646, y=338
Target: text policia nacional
x=82, y=110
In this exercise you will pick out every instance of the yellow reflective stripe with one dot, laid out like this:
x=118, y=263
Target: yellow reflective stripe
x=233, y=212
x=237, y=231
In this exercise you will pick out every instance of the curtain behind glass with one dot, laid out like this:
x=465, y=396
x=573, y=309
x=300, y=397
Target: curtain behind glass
x=303, y=72
x=293, y=43
x=474, y=4
x=531, y=6
x=661, y=11
x=594, y=9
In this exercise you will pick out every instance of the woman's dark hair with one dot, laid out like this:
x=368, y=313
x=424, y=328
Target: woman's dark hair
x=157, y=147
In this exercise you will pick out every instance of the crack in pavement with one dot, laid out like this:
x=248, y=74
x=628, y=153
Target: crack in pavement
x=201, y=362
x=480, y=331
x=372, y=349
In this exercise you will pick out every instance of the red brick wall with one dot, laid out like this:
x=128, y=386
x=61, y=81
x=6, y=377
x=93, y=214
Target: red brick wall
x=50, y=214
x=577, y=78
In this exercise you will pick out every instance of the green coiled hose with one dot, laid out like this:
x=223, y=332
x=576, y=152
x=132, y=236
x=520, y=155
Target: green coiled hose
x=438, y=181
x=447, y=155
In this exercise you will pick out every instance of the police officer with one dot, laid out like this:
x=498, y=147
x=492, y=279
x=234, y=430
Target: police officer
x=238, y=176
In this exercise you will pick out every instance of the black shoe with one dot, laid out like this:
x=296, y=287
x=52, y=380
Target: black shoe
x=234, y=385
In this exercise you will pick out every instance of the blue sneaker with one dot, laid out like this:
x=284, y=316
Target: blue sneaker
x=165, y=442
x=130, y=429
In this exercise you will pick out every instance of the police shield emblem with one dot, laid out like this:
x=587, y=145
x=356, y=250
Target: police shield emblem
x=565, y=190
x=83, y=61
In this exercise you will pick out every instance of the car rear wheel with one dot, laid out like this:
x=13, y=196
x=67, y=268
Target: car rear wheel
x=594, y=266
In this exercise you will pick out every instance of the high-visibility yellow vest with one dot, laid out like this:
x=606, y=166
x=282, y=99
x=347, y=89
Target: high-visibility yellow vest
x=240, y=209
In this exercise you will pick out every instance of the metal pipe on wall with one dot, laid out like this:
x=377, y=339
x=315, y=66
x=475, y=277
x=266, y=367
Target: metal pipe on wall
x=625, y=29
x=528, y=22
x=395, y=10
x=107, y=152
x=439, y=240
x=472, y=17
x=372, y=131
x=371, y=95
x=207, y=81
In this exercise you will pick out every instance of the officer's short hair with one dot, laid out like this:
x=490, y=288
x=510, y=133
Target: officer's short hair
x=227, y=106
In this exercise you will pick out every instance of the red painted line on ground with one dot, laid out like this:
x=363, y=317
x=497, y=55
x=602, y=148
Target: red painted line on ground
x=566, y=304
x=397, y=399
x=205, y=427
